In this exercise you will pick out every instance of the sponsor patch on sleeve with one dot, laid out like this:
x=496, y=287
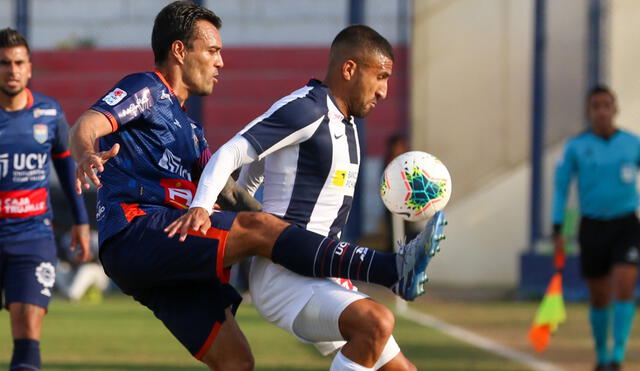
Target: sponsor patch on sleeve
x=114, y=97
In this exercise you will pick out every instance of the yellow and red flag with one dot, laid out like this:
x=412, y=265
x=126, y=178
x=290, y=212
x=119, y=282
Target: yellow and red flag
x=551, y=311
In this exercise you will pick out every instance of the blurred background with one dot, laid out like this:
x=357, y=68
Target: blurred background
x=491, y=87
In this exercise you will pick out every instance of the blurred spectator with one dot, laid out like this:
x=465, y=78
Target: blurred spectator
x=77, y=280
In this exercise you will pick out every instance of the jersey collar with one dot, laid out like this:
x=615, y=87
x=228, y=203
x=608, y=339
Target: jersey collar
x=164, y=81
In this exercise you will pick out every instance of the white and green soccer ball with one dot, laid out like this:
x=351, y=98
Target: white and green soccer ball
x=415, y=185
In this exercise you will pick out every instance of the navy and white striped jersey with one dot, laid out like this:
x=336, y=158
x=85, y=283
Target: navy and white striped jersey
x=311, y=159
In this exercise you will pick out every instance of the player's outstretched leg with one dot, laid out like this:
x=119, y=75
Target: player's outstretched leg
x=312, y=255
x=414, y=257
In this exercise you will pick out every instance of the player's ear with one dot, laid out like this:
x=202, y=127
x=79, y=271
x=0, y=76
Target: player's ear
x=178, y=51
x=349, y=69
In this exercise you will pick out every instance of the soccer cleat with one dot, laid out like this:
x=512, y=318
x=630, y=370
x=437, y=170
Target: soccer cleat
x=413, y=258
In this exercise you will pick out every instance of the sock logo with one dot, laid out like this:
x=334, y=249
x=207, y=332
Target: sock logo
x=362, y=251
x=340, y=248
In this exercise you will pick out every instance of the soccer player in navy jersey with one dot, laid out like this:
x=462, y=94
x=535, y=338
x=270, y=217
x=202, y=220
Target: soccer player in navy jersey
x=306, y=149
x=33, y=134
x=151, y=154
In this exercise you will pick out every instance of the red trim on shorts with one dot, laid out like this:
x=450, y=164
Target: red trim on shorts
x=131, y=211
x=223, y=274
x=207, y=344
x=61, y=155
x=29, y=98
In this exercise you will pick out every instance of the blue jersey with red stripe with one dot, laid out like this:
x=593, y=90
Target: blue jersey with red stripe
x=29, y=138
x=161, y=147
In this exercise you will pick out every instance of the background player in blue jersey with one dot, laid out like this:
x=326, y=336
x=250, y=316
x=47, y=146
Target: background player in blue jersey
x=605, y=160
x=33, y=133
x=306, y=149
x=150, y=155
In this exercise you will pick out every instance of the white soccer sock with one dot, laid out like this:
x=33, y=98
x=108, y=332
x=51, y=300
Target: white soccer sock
x=342, y=363
x=390, y=351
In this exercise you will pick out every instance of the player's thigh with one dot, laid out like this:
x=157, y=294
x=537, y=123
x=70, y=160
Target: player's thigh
x=29, y=271
x=193, y=312
x=142, y=255
x=323, y=317
x=230, y=350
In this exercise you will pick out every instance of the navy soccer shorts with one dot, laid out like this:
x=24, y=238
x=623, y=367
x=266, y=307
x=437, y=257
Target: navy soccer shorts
x=604, y=243
x=183, y=283
x=27, y=271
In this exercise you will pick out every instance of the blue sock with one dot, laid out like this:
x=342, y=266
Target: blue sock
x=599, y=318
x=26, y=355
x=623, y=312
x=313, y=255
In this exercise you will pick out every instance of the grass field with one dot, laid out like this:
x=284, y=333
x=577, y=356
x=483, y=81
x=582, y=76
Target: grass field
x=119, y=334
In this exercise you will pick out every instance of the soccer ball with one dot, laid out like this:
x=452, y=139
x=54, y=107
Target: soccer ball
x=415, y=185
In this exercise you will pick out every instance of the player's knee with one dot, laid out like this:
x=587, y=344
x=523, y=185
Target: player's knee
x=257, y=229
x=379, y=322
x=252, y=222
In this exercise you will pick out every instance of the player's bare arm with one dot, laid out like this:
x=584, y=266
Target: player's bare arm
x=89, y=127
x=80, y=234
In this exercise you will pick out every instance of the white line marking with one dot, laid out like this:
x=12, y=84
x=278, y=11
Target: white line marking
x=476, y=340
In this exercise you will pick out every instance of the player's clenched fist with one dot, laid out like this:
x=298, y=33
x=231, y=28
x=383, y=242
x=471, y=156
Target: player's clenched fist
x=90, y=161
x=196, y=218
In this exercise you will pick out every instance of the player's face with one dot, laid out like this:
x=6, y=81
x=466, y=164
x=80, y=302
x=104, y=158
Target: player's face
x=203, y=61
x=370, y=84
x=15, y=70
x=601, y=110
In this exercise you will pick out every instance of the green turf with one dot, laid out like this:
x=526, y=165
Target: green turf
x=119, y=334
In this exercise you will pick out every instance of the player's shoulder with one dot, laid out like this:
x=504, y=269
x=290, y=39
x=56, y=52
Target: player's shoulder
x=308, y=102
x=581, y=137
x=42, y=100
x=139, y=80
x=628, y=135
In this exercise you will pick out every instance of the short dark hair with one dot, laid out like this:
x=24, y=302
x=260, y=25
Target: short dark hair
x=360, y=41
x=10, y=38
x=177, y=21
x=601, y=89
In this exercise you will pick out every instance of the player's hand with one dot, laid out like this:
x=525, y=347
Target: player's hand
x=196, y=218
x=558, y=252
x=88, y=163
x=80, y=235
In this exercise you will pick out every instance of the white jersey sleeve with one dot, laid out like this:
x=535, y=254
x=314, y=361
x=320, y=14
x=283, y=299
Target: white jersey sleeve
x=233, y=154
x=251, y=176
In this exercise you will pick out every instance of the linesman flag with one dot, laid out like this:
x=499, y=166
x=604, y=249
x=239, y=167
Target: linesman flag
x=551, y=311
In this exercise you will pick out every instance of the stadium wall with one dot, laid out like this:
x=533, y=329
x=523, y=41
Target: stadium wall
x=624, y=55
x=471, y=106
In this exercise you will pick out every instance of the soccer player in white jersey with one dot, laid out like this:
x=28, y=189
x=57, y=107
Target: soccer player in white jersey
x=306, y=146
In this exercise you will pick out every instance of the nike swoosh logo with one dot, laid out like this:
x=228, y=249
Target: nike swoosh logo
x=338, y=136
